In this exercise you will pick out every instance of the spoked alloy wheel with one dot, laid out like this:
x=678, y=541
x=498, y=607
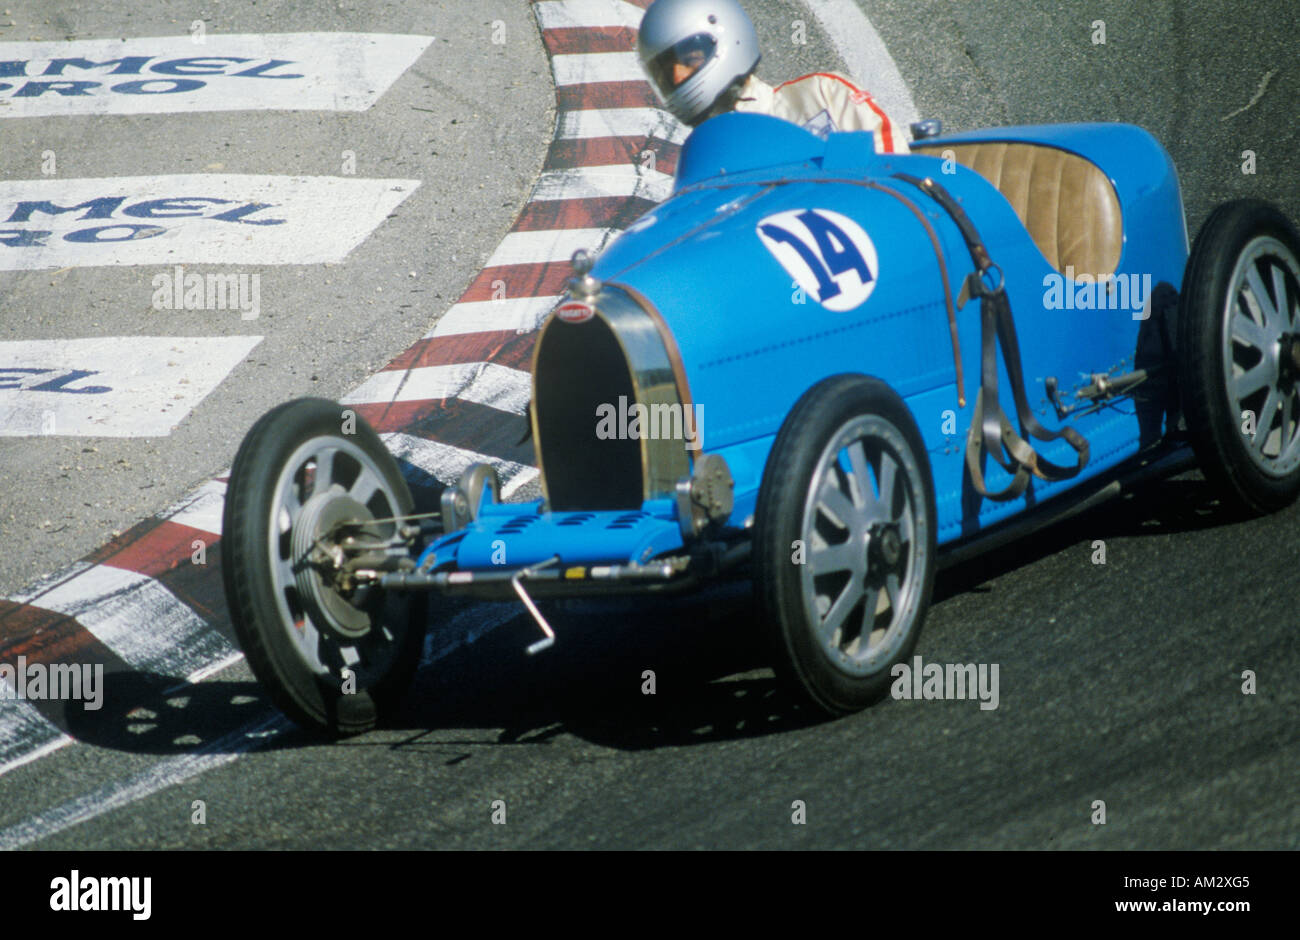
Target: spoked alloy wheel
x=1239, y=354
x=335, y=654
x=861, y=582
x=326, y=485
x=1261, y=352
x=845, y=542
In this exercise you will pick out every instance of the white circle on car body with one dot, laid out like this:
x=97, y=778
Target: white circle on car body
x=829, y=255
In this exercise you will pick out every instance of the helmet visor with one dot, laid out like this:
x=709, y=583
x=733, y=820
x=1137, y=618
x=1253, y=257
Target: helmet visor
x=675, y=65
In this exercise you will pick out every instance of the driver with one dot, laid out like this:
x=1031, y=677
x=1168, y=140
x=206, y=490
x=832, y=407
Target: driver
x=700, y=57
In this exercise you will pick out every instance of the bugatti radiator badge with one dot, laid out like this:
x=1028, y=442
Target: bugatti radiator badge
x=578, y=307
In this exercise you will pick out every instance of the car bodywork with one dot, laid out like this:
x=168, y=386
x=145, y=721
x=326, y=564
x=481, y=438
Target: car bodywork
x=722, y=306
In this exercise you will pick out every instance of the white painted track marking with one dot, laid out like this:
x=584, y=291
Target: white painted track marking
x=121, y=386
x=596, y=182
x=446, y=463
x=282, y=71
x=542, y=247
x=135, y=616
x=210, y=218
x=522, y=314
x=485, y=383
x=594, y=67
x=201, y=509
x=868, y=61
x=574, y=14
x=622, y=122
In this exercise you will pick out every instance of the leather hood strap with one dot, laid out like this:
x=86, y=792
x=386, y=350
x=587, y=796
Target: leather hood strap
x=991, y=430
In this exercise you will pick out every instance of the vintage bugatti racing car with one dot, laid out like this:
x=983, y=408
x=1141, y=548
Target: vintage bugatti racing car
x=817, y=367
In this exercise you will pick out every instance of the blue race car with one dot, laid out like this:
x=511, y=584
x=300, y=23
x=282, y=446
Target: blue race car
x=819, y=367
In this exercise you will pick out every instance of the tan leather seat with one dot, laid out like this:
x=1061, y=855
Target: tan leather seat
x=1066, y=202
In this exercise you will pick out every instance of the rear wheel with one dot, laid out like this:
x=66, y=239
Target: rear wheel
x=1239, y=354
x=845, y=542
x=333, y=654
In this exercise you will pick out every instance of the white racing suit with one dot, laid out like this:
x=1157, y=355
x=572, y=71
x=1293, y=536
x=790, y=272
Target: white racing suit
x=824, y=102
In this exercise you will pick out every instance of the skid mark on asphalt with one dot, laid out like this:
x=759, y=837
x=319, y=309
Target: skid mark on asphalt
x=1254, y=99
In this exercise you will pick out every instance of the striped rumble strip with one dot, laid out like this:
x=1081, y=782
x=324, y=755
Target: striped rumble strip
x=141, y=605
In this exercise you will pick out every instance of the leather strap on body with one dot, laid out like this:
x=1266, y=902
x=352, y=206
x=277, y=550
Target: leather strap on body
x=991, y=431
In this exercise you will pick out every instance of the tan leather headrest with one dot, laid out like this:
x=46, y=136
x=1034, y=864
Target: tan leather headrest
x=1065, y=202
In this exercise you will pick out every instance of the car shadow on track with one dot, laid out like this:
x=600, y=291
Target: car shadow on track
x=705, y=653
x=627, y=674
x=148, y=713
x=1181, y=504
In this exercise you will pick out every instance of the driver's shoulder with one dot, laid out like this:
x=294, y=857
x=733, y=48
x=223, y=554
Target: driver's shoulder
x=824, y=82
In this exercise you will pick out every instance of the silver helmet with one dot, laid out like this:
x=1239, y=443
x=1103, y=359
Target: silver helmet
x=695, y=52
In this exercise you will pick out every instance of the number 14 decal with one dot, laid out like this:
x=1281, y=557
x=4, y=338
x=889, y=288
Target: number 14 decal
x=828, y=255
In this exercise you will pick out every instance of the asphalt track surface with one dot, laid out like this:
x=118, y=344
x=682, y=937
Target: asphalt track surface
x=1119, y=682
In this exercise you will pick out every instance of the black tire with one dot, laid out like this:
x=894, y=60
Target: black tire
x=293, y=645
x=1214, y=364
x=839, y=673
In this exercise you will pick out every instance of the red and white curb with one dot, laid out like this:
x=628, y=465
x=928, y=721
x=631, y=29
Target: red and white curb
x=456, y=396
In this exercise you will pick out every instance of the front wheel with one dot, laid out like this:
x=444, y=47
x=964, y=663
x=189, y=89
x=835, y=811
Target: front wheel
x=312, y=485
x=1239, y=353
x=845, y=542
